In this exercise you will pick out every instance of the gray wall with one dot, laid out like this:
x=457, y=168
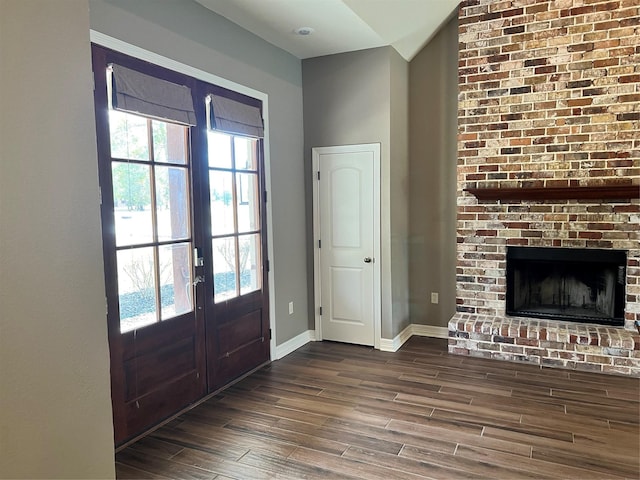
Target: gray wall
x=55, y=407
x=185, y=31
x=433, y=87
x=55, y=415
x=399, y=187
x=351, y=98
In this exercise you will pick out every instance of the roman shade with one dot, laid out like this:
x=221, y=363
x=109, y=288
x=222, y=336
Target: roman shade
x=136, y=92
x=236, y=118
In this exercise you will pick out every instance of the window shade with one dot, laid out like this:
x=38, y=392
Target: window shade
x=231, y=116
x=139, y=93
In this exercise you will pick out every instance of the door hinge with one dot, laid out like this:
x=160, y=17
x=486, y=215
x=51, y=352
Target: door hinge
x=319, y=243
x=268, y=266
x=320, y=310
x=100, y=194
x=270, y=334
x=318, y=174
x=265, y=196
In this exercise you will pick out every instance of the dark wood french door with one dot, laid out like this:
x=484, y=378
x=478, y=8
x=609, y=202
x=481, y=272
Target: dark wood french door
x=237, y=301
x=184, y=252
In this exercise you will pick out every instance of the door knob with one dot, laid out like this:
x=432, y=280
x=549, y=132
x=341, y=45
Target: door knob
x=367, y=259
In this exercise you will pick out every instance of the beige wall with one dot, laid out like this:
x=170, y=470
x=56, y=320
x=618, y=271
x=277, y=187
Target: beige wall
x=189, y=33
x=351, y=98
x=55, y=408
x=432, y=183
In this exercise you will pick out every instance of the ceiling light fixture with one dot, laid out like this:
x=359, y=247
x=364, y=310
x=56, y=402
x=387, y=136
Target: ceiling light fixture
x=303, y=31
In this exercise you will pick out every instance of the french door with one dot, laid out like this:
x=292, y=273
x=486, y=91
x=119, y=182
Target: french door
x=237, y=317
x=184, y=249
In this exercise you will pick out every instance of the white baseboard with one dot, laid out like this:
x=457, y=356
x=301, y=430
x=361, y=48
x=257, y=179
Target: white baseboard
x=293, y=344
x=429, y=331
x=386, y=344
x=392, y=345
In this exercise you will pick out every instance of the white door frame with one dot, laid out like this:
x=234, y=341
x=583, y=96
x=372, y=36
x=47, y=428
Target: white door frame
x=317, y=152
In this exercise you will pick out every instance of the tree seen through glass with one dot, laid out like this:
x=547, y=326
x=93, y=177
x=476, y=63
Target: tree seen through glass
x=151, y=196
x=235, y=215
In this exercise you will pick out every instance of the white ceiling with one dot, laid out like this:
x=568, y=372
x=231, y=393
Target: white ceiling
x=339, y=25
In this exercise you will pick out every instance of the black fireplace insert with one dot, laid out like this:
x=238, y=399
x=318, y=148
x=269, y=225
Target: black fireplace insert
x=570, y=284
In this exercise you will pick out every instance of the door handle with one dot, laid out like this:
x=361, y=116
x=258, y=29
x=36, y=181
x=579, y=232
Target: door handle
x=367, y=260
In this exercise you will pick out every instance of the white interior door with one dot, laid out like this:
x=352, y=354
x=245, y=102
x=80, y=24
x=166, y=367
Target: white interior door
x=347, y=232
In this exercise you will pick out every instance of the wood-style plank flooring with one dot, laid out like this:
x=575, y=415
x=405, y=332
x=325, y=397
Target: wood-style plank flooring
x=331, y=411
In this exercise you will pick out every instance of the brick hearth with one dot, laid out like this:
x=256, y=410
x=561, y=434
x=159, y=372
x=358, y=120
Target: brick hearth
x=592, y=348
x=549, y=97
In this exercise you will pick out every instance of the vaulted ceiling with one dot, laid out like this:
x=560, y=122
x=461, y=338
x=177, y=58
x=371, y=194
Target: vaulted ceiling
x=338, y=25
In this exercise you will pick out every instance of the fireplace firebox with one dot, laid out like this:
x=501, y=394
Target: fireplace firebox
x=578, y=285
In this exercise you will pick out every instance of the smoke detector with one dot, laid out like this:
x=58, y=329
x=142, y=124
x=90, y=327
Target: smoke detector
x=303, y=31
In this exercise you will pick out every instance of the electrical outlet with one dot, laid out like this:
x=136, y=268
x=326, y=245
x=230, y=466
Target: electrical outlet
x=434, y=297
x=290, y=308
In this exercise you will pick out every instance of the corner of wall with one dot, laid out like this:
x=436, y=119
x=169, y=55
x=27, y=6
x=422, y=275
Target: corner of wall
x=433, y=81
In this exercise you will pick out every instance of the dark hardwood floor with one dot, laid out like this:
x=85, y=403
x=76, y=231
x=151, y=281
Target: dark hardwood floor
x=331, y=410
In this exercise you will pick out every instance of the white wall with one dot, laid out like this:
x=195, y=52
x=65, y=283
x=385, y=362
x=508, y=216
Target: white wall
x=55, y=407
x=185, y=31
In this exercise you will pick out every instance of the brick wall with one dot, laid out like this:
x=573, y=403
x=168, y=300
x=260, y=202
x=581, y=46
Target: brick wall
x=549, y=97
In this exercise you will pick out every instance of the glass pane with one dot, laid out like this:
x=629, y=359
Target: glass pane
x=224, y=269
x=136, y=288
x=221, y=187
x=219, y=150
x=172, y=201
x=132, y=203
x=128, y=136
x=245, y=153
x=248, y=204
x=175, y=279
x=169, y=143
x=250, y=264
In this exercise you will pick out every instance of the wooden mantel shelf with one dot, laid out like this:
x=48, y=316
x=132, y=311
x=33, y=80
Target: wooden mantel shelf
x=610, y=192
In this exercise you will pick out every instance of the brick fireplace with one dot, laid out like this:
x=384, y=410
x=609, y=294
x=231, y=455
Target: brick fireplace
x=548, y=156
